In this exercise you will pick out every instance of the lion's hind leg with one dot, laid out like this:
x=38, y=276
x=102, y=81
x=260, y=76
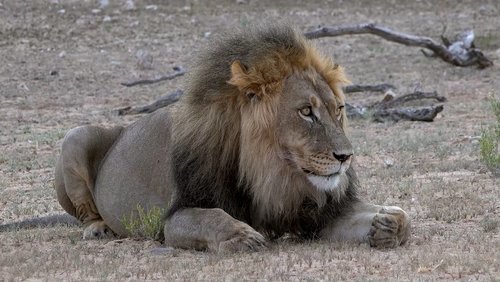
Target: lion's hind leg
x=380, y=226
x=82, y=151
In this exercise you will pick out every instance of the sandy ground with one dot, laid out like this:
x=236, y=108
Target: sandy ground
x=61, y=65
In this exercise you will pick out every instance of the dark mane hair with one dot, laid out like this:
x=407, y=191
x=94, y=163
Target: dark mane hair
x=217, y=156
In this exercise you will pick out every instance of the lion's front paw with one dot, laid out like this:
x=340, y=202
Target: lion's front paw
x=390, y=228
x=242, y=237
x=97, y=230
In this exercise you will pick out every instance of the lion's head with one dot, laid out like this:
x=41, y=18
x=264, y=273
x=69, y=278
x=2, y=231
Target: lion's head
x=262, y=134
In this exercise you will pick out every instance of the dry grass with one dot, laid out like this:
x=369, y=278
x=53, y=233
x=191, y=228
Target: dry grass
x=437, y=176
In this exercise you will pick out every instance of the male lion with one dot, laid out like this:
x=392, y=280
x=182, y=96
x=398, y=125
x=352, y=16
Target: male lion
x=256, y=149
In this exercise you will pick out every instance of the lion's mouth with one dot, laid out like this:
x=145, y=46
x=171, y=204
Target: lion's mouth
x=325, y=182
x=310, y=172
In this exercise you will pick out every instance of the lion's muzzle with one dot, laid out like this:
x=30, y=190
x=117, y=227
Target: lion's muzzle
x=327, y=171
x=328, y=164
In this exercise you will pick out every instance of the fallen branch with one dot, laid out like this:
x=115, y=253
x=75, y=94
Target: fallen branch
x=417, y=95
x=392, y=108
x=160, y=103
x=178, y=71
x=412, y=114
x=354, y=112
x=459, y=53
x=384, y=87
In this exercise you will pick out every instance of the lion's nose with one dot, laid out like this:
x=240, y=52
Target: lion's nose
x=342, y=157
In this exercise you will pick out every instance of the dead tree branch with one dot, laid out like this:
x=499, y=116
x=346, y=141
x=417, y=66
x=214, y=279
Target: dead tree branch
x=160, y=103
x=384, y=87
x=459, y=53
x=392, y=109
x=413, y=114
x=417, y=95
x=178, y=71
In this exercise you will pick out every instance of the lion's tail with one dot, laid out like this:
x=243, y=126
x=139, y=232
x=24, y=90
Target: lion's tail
x=40, y=222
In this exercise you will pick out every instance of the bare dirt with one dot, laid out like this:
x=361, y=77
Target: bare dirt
x=61, y=65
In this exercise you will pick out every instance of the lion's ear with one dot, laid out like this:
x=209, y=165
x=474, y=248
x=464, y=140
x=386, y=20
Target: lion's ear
x=239, y=77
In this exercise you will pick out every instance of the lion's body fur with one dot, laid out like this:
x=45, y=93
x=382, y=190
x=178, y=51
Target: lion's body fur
x=226, y=156
x=256, y=145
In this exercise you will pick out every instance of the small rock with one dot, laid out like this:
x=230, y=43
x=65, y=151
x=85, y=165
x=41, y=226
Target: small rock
x=129, y=5
x=81, y=21
x=241, y=1
x=95, y=11
x=488, y=10
x=62, y=11
x=162, y=250
x=151, y=7
x=134, y=24
x=62, y=54
x=54, y=72
x=103, y=4
x=144, y=60
x=388, y=162
x=106, y=19
x=207, y=34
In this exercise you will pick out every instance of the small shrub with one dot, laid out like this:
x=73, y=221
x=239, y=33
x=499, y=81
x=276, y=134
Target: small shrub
x=489, y=144
x=489, y=224
x=146, y=224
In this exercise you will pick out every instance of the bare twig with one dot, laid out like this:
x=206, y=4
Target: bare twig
x=355, y=111
x=458, y=53
x=413, y=114
x=178, y=71
x=417, y=95
x=369, y=88
x=392, y=109
x=41, y=221
x=160, y=103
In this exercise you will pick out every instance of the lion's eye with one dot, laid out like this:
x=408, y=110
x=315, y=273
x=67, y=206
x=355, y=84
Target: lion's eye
x=307, y=111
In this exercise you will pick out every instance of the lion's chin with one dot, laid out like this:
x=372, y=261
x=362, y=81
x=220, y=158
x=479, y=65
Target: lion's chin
x=326, y=183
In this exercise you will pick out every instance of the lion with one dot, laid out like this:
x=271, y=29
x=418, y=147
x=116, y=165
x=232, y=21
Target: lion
x=256, y=149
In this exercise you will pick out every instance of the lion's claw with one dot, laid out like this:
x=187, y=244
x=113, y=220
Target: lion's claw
x=244, y=238
x=390, y=228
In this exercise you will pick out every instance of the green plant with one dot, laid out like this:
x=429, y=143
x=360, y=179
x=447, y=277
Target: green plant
x=489, y=224
x=489, y=144
x=145, y=224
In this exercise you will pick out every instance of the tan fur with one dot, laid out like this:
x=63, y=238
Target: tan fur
x=238, y=155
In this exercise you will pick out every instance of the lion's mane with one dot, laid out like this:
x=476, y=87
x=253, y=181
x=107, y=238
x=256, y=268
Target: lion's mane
x=226, y=154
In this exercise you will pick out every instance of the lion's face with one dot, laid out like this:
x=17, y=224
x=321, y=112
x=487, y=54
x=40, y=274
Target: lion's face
x=310, y=131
